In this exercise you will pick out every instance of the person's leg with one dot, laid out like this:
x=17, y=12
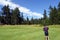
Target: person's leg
x=46, y=38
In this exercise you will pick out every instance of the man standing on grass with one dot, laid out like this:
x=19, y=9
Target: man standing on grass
x=46, y=32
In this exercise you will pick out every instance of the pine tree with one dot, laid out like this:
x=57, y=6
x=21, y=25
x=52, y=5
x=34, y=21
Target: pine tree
x=59, y=13
x=32, y=20
x=53, y=16
x=27, y=20
x=6, y=14
x=44, y=17
x=15, y=16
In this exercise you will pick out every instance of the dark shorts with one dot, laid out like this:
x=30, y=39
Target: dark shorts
x=46, y=33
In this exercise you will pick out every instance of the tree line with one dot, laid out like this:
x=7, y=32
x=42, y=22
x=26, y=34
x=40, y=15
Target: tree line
x=14, y=16
x=10, y=16
x=54, y=15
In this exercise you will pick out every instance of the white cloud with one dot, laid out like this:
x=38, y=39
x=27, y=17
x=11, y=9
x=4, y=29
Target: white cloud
x=22, y=9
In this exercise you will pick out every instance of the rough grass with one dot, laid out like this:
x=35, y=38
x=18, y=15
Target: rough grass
x=28, y=32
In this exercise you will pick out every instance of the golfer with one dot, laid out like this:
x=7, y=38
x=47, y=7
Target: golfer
x=46, y=32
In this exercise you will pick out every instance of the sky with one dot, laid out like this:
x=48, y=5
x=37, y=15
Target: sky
x=30, y=8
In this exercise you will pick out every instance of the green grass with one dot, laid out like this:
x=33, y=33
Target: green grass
x=28, y=32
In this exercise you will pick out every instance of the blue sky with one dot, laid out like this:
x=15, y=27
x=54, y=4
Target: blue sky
x=37, y=5
x=30, y=8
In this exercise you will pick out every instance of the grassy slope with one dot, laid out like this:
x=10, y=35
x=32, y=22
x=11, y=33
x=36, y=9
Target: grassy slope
x=28, y=32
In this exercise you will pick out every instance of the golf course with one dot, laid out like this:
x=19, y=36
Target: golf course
x=28, y=32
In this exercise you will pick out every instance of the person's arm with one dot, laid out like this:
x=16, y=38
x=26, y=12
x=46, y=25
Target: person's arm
x=48, y=28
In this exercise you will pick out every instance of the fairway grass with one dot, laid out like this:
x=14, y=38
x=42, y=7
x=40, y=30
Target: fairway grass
x=28, y=32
